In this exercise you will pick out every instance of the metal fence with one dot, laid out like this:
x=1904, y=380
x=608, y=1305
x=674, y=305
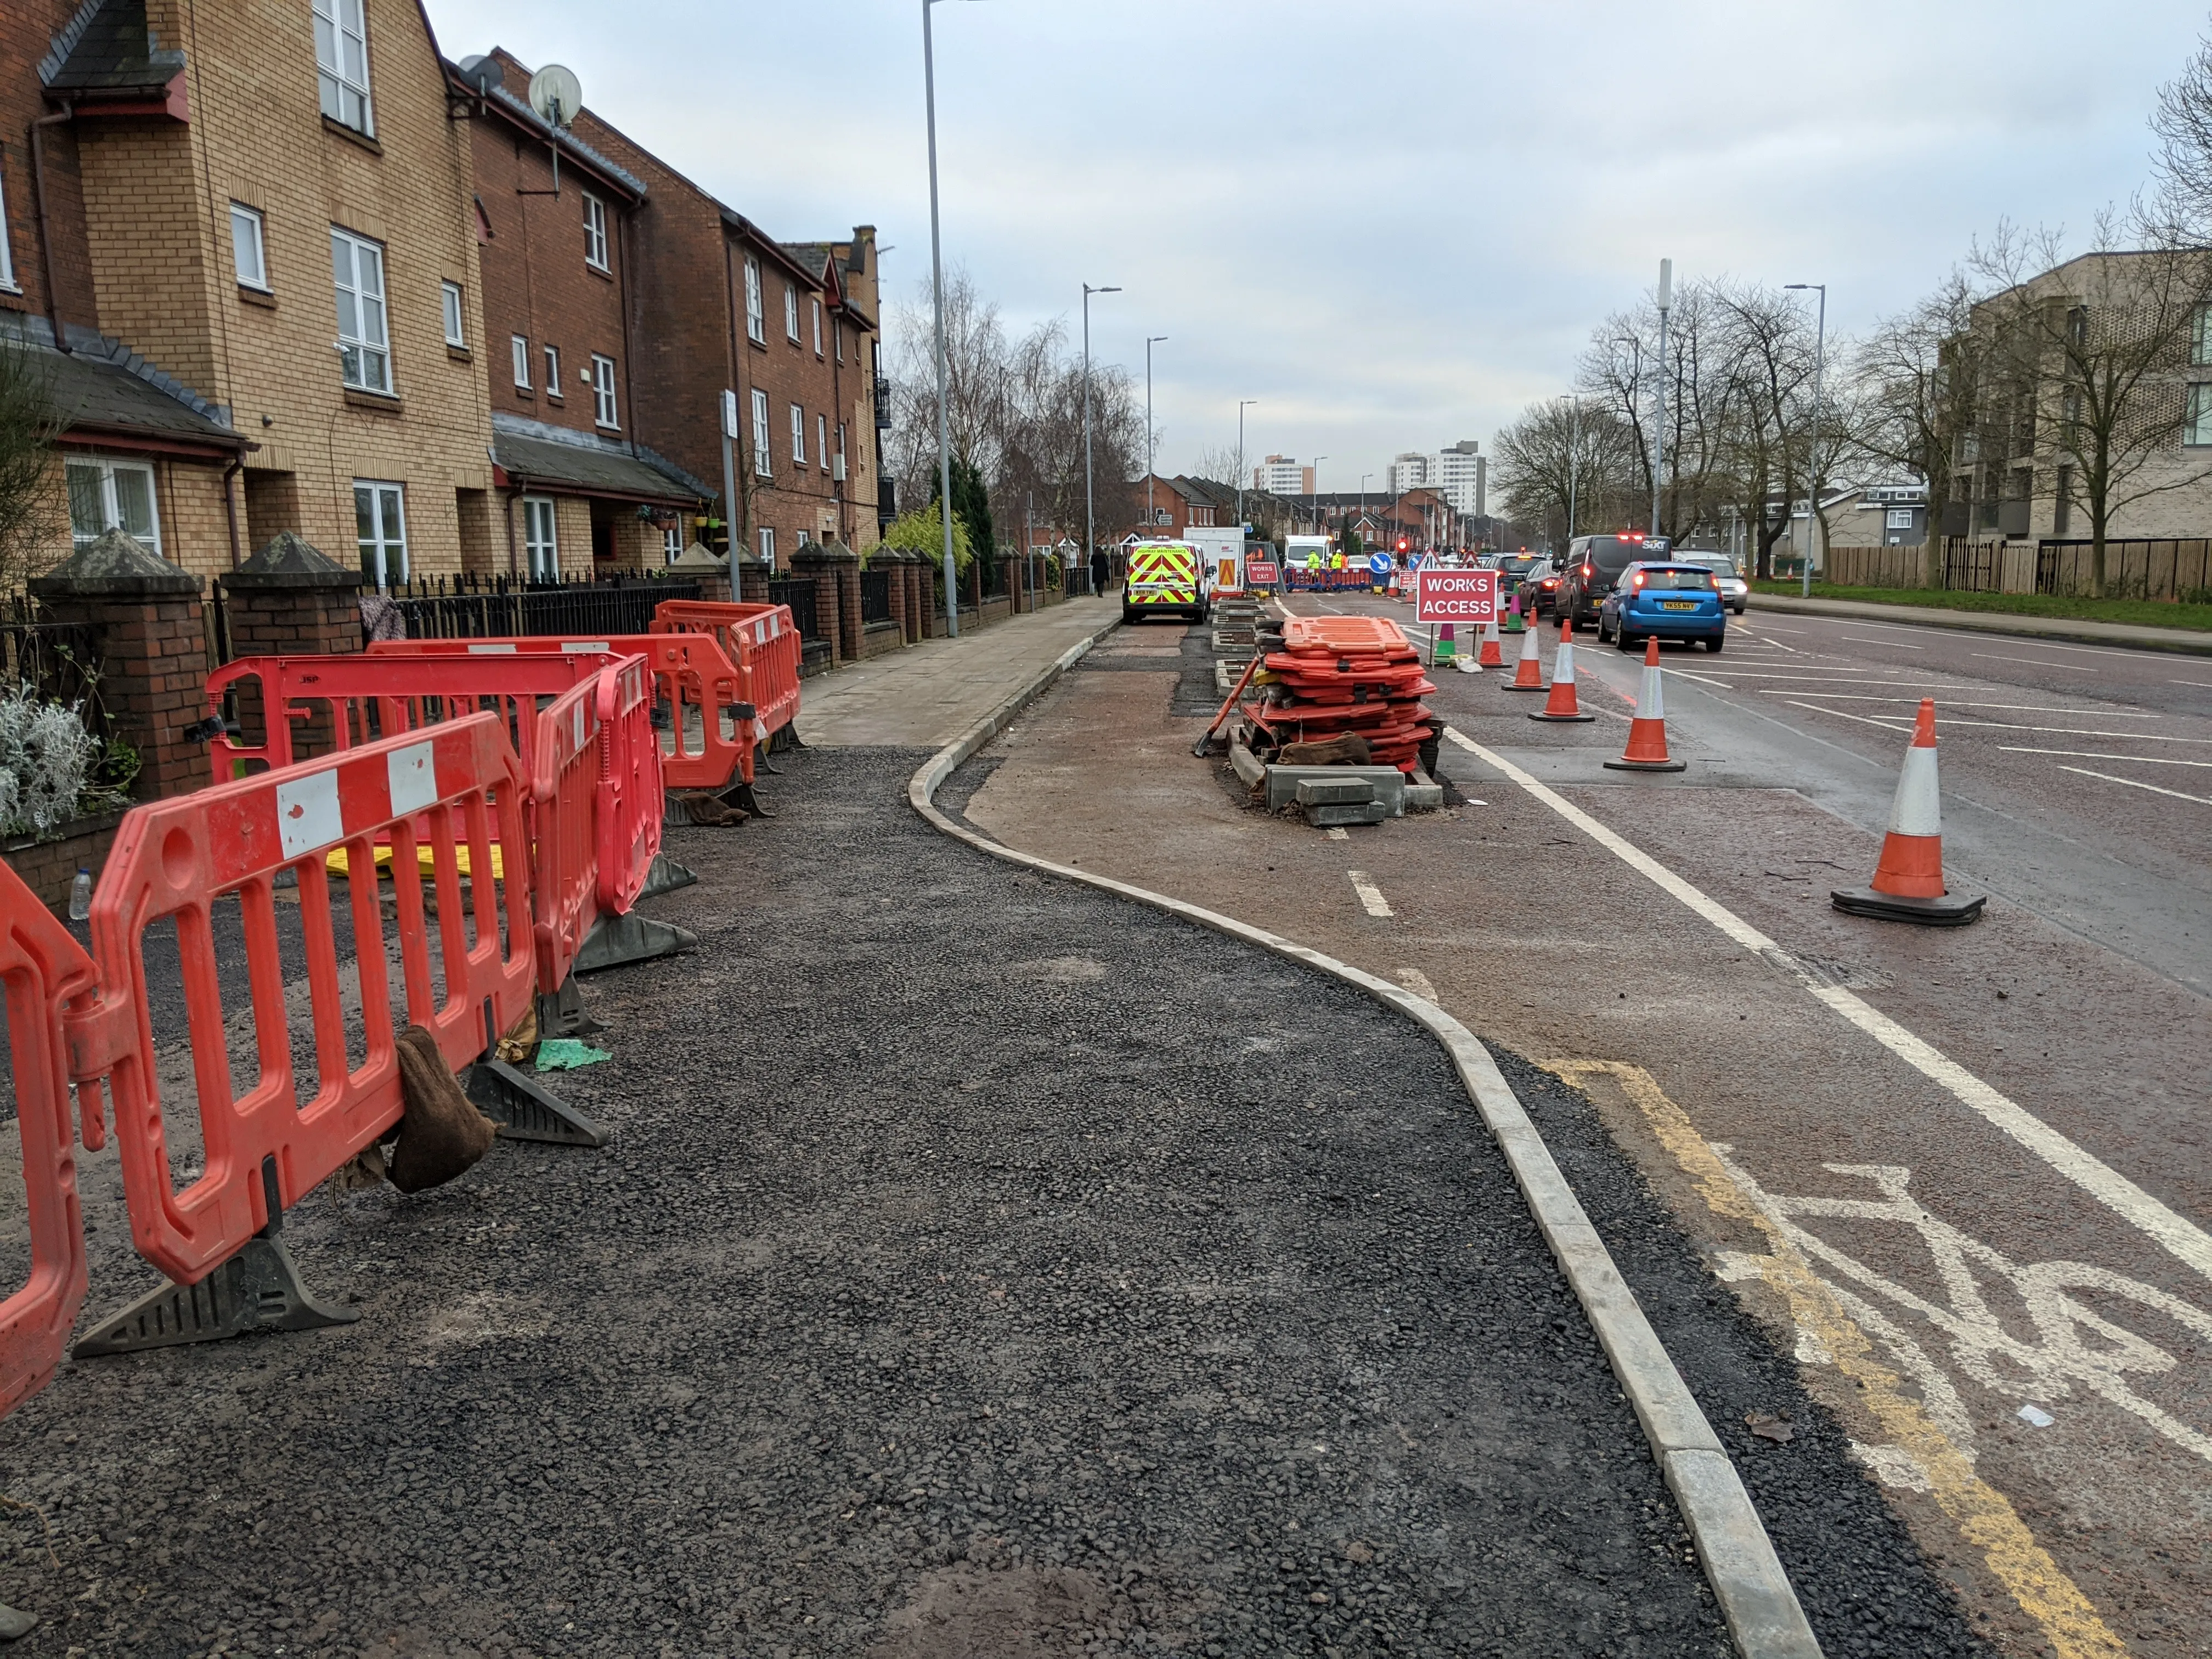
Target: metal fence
x=799, y=595
x=467, y=607
x=875, y=596
x=60, y=661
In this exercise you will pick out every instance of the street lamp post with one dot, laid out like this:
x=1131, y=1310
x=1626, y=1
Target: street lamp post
x=1574, y=457
x=937, y=298
x=1241, y=408
x=1089, y=512
x=1813, y=460
x=1318, y=519
x=1659, y=431
x=1151, y=341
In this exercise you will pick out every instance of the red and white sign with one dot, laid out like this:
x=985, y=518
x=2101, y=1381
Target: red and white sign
x=1456, y=596
x=1260, y=573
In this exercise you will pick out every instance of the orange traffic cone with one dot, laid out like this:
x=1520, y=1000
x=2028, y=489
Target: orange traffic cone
x=1560, y=705
x=1908, y=878
x=1493, y=654
x=1647, y=733
x=1528, y=675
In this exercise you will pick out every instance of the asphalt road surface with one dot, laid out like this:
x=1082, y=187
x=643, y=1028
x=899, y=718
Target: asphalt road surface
x=1963, y=1174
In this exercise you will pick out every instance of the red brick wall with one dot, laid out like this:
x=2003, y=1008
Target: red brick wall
x=27, y=31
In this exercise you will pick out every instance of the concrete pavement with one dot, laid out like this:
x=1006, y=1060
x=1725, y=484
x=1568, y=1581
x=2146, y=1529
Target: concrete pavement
x=929, y=693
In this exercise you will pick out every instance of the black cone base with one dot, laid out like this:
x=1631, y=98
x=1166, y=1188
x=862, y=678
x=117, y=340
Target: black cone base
x=1951, y=910
x=1561, y=720
x=1648, y=766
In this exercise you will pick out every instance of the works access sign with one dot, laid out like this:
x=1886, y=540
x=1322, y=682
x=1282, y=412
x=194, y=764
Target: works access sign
x=1456, y=596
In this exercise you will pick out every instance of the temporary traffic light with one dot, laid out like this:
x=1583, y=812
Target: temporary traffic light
x=1402, y=543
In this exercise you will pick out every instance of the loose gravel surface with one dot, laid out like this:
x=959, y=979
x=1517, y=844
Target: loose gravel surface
x=981, y=1265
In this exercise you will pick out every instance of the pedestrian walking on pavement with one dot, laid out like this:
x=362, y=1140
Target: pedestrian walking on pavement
x=1098, y=570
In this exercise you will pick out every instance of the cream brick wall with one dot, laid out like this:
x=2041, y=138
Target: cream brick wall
x=158, y=197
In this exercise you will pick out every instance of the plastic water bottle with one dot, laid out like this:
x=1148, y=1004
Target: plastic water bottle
x=81, y=896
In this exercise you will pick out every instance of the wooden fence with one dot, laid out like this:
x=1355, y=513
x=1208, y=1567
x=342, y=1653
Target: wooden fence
x=1876, y=567
x=2134, y=570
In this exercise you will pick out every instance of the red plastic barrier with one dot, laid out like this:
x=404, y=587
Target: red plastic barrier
x=761, y=638
x=362, y=697
x=42, y=969
x=631, y=789
x=461, y=781
x=692, y=671
x=565, y=870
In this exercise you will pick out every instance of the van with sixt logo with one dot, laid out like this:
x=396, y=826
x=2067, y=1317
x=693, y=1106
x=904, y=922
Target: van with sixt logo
x=1593, y=564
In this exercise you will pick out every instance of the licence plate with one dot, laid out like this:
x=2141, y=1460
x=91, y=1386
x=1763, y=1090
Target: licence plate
x=1678, y=604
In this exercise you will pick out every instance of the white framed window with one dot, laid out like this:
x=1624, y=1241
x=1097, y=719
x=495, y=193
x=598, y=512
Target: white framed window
x=837, y=333
x=603, y=392
x=817, y=328
x=2197, y=428
x=7, y=258
x=553, y=374
x=380, y=518
x=1901, y=518
x=798, y=436
x=456, y=334
x=520, y=347
x=755, y=326
x=672, y=542
x=342, y=64
x=822, y=440
x=541, y=538
x=790, y=314
x=763, y=463
x=2200, y=338
x=364, y=342
x=595, y=233
x=249, y=247
x=106, y=494
x=768, y=545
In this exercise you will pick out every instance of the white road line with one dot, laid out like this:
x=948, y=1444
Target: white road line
x=1956, y=702
x=2064, y=730
x=1418, y=982
x=2180, y=1237
x=1875, y=639
x=2086, y=754
x=2205, y=685
x=1895, y=723
x=2063, y=667
x=1369, y=894
x=2202, y=800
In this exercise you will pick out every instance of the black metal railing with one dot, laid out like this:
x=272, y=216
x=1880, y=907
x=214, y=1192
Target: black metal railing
x=799, y=595
x=60, y=661
x=470, y=607
x=875, y=596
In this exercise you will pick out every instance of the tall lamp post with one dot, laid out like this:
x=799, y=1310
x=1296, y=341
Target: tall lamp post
x=1813, y=460
x=1574, y=457
x=1089, y=512
x=1150, y=340
x=1659, y=431
x=1245, y=404
x=937, y=298
x=1318, y=519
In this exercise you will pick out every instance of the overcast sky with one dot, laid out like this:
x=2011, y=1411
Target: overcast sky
x=1394, y=222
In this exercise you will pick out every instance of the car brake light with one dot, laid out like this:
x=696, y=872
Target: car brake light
x=1639, y=580
x=1589, y=570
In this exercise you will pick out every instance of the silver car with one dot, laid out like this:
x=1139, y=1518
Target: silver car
x=1735, y=592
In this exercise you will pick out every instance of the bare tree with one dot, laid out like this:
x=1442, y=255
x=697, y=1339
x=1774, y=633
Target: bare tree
x=29, y=423
x=1549, y=455
x=1917, y=378
x=1219, y=465
x=2183, y=161
x=2088, y=364
x=1766, y=436
x=978, y=363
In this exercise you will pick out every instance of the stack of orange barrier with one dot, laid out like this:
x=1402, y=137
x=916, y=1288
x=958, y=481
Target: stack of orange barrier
x=1338, y=676
x=761, y=639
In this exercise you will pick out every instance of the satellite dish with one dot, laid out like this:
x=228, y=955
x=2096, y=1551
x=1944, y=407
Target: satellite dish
x=556, y=94
x=482, y=73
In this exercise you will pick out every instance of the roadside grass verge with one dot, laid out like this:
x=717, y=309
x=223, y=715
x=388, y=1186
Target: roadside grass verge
x=2141, y=613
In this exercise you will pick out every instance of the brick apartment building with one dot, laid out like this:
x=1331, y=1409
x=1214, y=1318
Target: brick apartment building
x=206, y=213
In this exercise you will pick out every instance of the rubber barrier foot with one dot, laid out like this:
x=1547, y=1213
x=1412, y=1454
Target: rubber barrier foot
x=526, y=1110
x=761, y=752
x=666, y=875
x=257, y=1290
x=561, y=1014
x=784, y=738
x=614, y=940
x=1951, y=910
x=741, y=795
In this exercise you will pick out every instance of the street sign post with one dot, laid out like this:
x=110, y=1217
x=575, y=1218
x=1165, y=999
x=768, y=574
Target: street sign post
x=1456, y=596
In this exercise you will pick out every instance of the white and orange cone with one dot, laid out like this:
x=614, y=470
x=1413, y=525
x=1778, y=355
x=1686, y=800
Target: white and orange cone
x=1908, y=877
x=1561, y=706
x=1493, y=654
x=1528, y=675
x=1647, y=733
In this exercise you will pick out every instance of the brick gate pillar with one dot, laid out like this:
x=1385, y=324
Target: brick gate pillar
x=814, y=562
x=892, y=562
x=154, y=653
x=290, y=600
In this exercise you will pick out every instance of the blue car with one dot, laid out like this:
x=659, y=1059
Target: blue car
x=1655, y=599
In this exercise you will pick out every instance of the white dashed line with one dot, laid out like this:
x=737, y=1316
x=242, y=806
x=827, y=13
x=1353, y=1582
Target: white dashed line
x=2182, y=1239
x=1369, y=894
x=1875, y=639
x=1956, y=703
x=2087, y=754
x=2202, y=800
x=1895, y=723
x=2040, y=662
x=2201, y=685
x=1418, y=982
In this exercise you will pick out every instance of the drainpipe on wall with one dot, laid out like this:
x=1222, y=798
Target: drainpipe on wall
x=230, y=505
x=45, y=229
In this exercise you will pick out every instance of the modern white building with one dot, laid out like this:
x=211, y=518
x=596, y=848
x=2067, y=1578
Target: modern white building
x=1281, y=474
x=1460, y=473
x=1410, y=470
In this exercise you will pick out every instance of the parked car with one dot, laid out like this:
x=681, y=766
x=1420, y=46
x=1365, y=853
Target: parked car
x=1733, y=590
x=1661, y=600
x=1593, y=565
x=1539, y=586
